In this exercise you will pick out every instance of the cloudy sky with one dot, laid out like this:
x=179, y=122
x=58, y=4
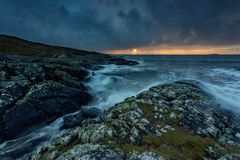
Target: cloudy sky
x=127, y=26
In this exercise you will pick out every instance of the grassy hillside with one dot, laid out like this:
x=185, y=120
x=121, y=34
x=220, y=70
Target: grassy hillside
x=10, y=44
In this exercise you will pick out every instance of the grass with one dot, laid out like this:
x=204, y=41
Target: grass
x=233, y=149
x=10, y=44
x=184, y=144
x=178, y=143
x=148, y=111
x=149, y=114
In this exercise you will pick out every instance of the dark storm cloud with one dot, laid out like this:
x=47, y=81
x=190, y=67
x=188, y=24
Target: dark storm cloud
x=119, y=24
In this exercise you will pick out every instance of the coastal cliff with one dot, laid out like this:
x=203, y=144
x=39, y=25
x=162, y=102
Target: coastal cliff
x=171, y=121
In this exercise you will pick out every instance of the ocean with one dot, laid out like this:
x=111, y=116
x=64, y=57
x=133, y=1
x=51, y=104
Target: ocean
x=219, y=75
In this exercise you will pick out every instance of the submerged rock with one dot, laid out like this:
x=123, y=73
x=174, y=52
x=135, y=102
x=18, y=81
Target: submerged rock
x=74, y=120
x=171, y=121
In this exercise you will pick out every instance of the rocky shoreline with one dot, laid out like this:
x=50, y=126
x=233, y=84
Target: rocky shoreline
x=40, y=83
x=38, y=90
x=170, y=121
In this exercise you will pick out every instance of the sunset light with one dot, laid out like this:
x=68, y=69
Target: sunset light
x=180, y=50
x=134, y=51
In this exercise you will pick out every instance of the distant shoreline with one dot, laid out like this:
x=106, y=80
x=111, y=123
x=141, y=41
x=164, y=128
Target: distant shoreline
x=176, y=54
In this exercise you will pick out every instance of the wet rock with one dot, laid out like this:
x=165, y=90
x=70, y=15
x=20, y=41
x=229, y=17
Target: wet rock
x=22, y=149
x=121, y=61
x=91, y=112
x=42, y=103
x=71, y=121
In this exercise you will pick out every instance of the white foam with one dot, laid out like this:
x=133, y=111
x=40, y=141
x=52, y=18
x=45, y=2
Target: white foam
x=225, y=87
x=222, y=72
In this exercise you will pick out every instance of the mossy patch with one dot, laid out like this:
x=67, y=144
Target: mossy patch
x=167, y=118
x=184, y=144
x=233, y=149
x=180, y=143
x=148, y=111
x=174, y=144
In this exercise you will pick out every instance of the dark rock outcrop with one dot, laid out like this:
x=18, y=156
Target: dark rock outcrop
x=32, y=93
x=39, y=83
x=121, y=61
x=43, y=102
x=36, y=90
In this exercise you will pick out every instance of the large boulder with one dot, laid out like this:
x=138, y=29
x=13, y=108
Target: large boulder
x=42, y=103
x=34, y=91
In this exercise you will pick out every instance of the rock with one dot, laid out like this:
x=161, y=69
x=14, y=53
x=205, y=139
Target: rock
x=42, y=103
x=230, y=157
x=11, y=91
x=72, y=120
x=39, y=83
x=26, y=82
x=169, y=121
x=91, y=152
x=33, y=72
x=145, y=156
x=91, y=112
x=121, y=61
x=237, y=135
x=76, y=119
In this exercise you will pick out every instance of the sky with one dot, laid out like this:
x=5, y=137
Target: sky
x=127, y=26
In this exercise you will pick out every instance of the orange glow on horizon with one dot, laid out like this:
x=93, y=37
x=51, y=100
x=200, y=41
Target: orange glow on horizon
x=134, y=51
x=180, y=50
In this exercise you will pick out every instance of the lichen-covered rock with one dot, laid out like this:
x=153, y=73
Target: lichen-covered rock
x=127, y=123
x=170, y=121
x=145, y=156
x=92, y=152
